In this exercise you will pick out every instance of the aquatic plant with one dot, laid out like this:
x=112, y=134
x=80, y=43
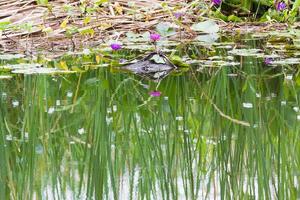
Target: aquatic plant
x=155, y=93
x=154, y=37
x=202, y=134
x=280, y=6
x=216, y=2
x=268, y=61
x=115, y=46
x=178, y=15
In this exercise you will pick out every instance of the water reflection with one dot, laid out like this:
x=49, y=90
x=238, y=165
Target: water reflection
x=100, y=135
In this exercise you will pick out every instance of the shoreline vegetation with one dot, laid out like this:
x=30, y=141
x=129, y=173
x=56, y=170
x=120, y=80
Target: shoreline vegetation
x=55, y=26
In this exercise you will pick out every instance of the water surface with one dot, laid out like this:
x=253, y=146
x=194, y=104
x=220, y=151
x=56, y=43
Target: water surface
x=227, y=127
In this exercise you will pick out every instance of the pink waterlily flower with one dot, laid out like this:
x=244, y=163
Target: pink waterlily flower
x=178, y=15
x=115, y=46
x=268, y=61
x=155, y=93
x=280, y=6
x=216, y=2
x=154, y=37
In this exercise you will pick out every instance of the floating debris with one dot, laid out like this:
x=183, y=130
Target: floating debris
x=109, y=120
x=4, y=95
x=51, y=110
x=15, y=103
x=9, y=137
x=247, y=105
x=283, y=103
x=180, y=128
x=179, y=118
x=137, y=117
x=5, y=77
x=81, y=131
x=296, y=108
x=289, y=77
x=69, y=94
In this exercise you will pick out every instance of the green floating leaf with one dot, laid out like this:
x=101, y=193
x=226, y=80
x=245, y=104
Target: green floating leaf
x=21, y=66
x=42, y=2
x=165, y=29
x=208, y=26
x=158, y=59
x=246, y=52
x=4, y=25
x=287, y=61
x=87, y=31
x=50, y=71
x=132, y=37
x=11, y=56
x=176, y=60
x=234, y=18
x=207, y=38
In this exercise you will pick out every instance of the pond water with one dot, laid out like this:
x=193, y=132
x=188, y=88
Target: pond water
x=226, y=127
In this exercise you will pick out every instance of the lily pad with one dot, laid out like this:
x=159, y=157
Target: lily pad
x=166, y=28
x=33, y=68
x=41, y=71
x=287, y=61
x=208, y=26
x=132, y=37
x=158, y=59
x=213, y=63
x=208, y=38
x=11, y=56
x=246, y=52
x=139, y=46
x=178, y=61
x=21, y=66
